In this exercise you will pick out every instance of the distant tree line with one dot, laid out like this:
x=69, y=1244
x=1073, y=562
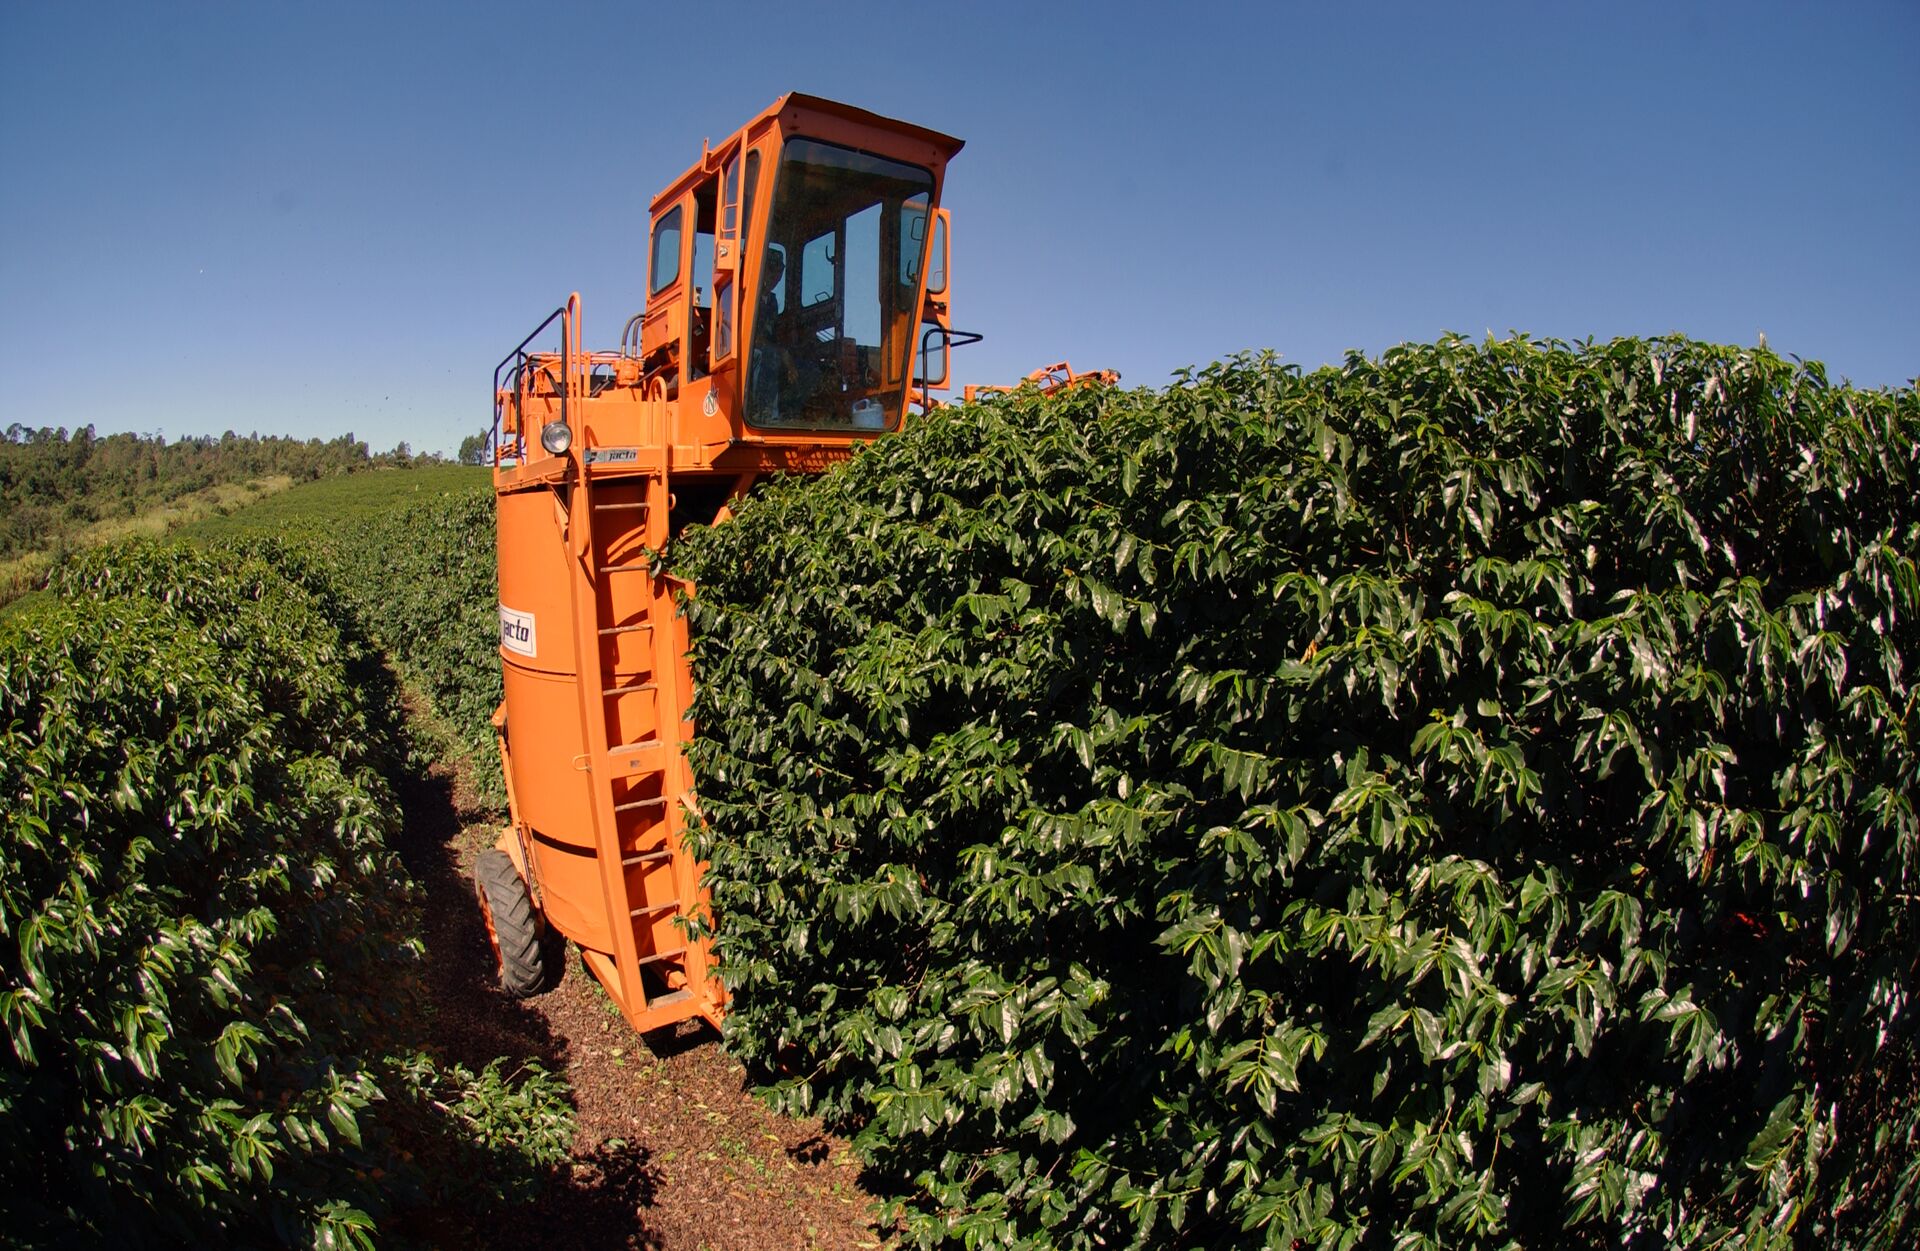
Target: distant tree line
x=53, y=482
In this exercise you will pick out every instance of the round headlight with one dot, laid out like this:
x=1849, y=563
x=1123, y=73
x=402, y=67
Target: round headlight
x=556, y=437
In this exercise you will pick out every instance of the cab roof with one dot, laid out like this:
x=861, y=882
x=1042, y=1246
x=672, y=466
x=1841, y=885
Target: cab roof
x=795, y=110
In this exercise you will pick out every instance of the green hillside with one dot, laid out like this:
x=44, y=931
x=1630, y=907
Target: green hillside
x=55, y=482
x=64, y=490
x=334, y=504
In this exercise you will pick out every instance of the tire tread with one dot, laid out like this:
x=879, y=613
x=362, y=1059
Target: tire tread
x=525, y=963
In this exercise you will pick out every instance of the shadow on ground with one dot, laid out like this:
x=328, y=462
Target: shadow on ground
x=601, y=1197
x=471, y=1022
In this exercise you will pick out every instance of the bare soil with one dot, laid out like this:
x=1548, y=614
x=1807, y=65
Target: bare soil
x=672, y=1151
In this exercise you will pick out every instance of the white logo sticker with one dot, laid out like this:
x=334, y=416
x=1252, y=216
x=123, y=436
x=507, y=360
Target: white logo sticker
x=516, y=631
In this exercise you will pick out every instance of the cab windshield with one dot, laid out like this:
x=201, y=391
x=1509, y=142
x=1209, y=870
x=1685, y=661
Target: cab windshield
x=839, y=272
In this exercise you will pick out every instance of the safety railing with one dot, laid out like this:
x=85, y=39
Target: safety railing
x=568, y=315
x=949, y=339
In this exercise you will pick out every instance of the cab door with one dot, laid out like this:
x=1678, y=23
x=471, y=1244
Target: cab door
x=933, y=349
x=723, y=278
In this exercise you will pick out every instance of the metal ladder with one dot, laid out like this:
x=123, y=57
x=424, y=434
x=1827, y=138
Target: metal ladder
x=633, y=710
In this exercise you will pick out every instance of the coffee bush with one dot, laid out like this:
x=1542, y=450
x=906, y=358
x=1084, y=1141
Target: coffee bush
x=422, y=579
x=207, y=971
x=197, y=907
x=1458, y=799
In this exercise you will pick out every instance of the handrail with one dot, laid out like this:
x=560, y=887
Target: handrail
x=518, y=358
x=954, y=339
x=569, y=353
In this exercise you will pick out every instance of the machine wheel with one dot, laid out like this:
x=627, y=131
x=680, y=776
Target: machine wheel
x=520, y=948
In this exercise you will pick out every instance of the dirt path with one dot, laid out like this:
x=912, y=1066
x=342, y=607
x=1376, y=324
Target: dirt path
x=672, y=1152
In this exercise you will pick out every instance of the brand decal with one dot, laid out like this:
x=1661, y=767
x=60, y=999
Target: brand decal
x=516, y=631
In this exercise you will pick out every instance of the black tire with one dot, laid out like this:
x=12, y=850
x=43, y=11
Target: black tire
x=520, y=944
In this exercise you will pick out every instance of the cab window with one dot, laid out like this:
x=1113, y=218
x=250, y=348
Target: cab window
x=817, y=272
x=665, y=265
x=837, y=351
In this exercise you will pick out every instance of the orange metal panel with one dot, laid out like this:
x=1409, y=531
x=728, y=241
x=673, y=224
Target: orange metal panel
x=535, y=583
x=571, y=893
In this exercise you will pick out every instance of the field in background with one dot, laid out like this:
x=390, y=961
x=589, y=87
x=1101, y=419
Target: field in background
x=340, y=501
x=20, y=573
x=64, y=490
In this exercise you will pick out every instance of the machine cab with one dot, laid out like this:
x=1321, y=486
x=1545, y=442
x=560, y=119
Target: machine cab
x=787, y=288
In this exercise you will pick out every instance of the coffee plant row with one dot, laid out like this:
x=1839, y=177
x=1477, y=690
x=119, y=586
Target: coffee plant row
x=207, y=976
x=412, y=553
x=1460, y=799
x=422, y=578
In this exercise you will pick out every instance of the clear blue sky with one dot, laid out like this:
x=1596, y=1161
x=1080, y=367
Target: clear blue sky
x=314, y=218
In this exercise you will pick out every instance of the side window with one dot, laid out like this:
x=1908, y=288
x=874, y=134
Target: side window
x=930, y=361
x=860, y=318
x=701, y=330
x=913, y=233
x=937, y=273
x=666, y=252
x=703, y=268
x=746, y=208
x=817, y=271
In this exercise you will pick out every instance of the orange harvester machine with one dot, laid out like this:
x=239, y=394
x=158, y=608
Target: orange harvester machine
x=797, y=303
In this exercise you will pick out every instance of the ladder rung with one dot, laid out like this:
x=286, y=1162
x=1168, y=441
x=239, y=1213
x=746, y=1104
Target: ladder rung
x=661, y=955
x=655, y=802
x=628, y=690
x=626, y=629
x=640, y=748
x=670, y=998
x=646, y=857
x=628, y=568
x=618, y=505
x=669, y=906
